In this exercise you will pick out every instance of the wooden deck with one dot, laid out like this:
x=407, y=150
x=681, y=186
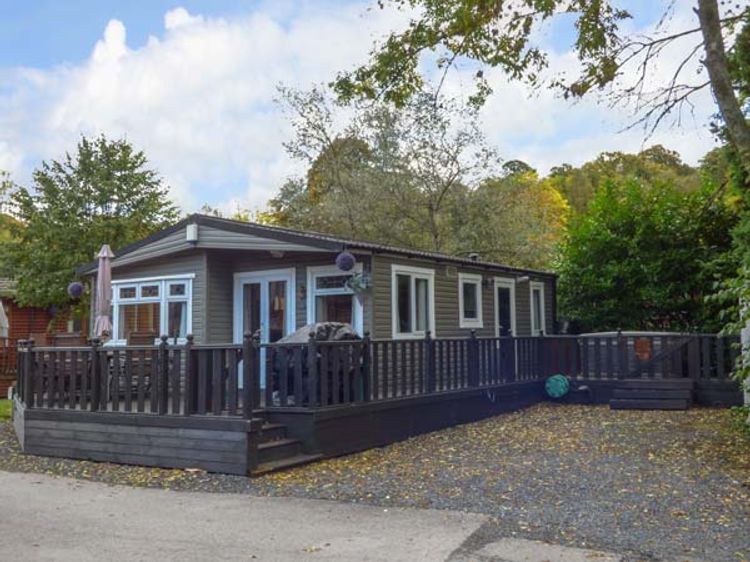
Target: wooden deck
x=205, y=405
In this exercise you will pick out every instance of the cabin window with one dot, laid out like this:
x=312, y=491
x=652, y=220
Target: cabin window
x=470, y=300
x=537, y=309
x=330, y=299
x=153, y=306
x=412, y=301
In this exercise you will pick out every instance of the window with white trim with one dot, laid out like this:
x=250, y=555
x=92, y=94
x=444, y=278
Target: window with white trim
x=153, y=306
x=413, y=301
x=470, y=300
x=538, y=326
x=330, y=299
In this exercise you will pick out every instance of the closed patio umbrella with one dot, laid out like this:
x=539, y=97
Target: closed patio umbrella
x=4, y=324
x=103, y=321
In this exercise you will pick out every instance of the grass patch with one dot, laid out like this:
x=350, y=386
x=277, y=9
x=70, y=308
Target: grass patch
x=4, y=410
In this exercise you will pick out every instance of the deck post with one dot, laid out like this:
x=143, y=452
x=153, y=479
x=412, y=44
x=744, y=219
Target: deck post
x=96, y=375
x=162, y=383
x=187, y=405
x=312, y=370
x=473, y=377
x=27, y=378
x=511, y=363
x=249, y=373
x=622, y=365
x=429, y=362
x=366, y=367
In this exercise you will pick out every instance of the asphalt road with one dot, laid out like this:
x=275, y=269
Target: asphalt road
x=48, y=518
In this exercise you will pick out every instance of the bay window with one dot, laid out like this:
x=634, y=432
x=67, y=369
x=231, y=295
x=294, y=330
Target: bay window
x=412, y=299
x=152, y=306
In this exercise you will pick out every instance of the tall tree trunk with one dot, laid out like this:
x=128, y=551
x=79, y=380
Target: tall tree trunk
x=721, y=83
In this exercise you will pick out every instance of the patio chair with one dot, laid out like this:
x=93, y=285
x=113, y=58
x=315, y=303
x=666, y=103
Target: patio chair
x=69, y=339
x=138, y=363
x=41, y=339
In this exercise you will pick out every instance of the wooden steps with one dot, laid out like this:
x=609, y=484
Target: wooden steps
x=652, y=394
x=282, y=464
x=277, y=451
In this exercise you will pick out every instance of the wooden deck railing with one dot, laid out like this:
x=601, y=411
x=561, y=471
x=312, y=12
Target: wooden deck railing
x=225, y=380
x=208, y=380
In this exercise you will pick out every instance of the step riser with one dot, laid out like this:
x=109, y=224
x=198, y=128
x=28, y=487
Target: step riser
x=669, y=384
x=280, y=451
x=619, y=404
x=276, y=466
x=652, y=394
x=273, y=433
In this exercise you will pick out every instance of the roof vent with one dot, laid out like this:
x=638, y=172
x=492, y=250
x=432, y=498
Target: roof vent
x=473, y=256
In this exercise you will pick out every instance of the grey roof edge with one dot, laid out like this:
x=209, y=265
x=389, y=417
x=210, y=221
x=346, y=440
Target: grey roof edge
x=324, y=241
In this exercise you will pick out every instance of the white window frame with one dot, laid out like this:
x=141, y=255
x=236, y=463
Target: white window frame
x=506, y=283
x=313, y=272
x=475, y=279
x=414, y=273
x=163, y=299
x=533, y=286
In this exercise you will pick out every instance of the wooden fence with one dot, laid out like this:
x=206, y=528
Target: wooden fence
x=225, y=380
x=7, y=356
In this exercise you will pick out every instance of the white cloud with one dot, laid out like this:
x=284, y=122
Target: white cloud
x=180, y=17
x=112, y=46
x=198, y=99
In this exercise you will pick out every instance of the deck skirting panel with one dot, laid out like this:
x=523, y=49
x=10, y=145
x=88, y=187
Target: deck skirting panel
x=168, y=442
x=347, y=429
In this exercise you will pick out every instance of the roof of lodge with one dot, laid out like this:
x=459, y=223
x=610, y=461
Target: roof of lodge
x=316, y=239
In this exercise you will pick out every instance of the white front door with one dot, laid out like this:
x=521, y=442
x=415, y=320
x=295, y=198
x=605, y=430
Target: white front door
x=264, y=303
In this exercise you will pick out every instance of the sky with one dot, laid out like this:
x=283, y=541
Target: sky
x=192, y=84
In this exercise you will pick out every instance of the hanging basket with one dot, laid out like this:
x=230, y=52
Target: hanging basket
x=359, y=283
x=345, y=261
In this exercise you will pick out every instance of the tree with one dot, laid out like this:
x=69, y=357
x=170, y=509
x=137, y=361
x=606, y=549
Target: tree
x=611, y=57
x=6, y=188
x=645, y=257
x=103, y=194
x=388, y=175
x=655, y=164
x=239, y=213
x=518, y=219
x=421, y=177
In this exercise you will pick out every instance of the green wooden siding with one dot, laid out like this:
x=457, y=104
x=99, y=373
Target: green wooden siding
x=446, y=298
x=213, y=289
x=222, y=265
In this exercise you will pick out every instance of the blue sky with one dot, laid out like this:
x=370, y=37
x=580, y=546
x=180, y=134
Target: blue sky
x=193, y=82
x=44, y=33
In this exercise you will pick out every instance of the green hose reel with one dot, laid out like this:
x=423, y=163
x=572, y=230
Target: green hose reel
x=557, y=386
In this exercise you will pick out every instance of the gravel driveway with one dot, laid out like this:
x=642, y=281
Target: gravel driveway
x=657, y=485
